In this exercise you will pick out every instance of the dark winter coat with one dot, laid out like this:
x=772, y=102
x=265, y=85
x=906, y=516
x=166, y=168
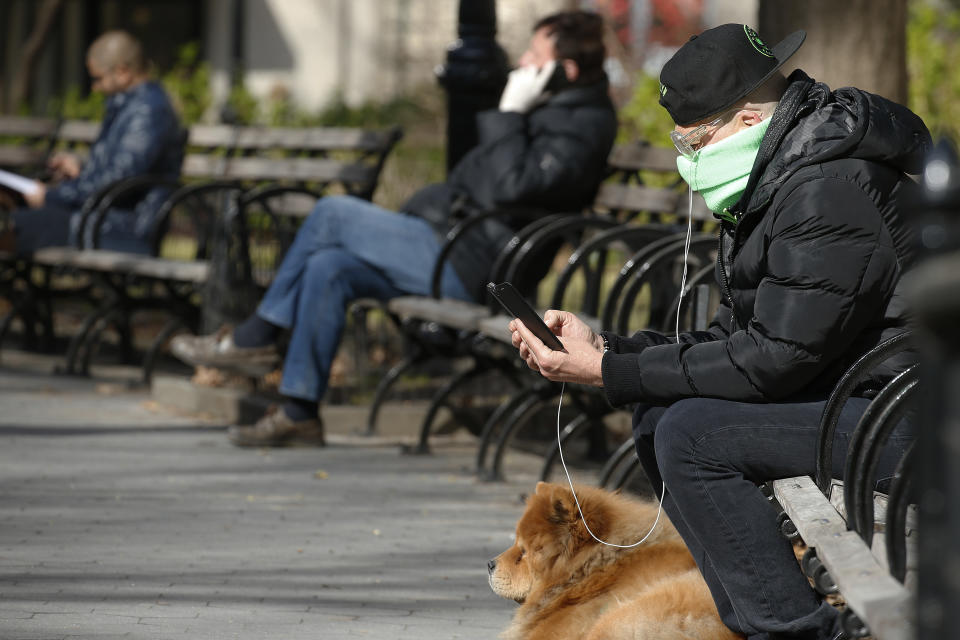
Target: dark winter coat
x=811, y=273
x=552, y=159
x=140, y=135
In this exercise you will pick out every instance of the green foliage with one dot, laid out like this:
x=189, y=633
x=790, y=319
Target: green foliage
x=242, y=105
x=933, y=48
x=643, y=118
x=188, y=84
x=75, y=106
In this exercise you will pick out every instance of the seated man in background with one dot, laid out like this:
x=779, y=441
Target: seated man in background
x=807, y=183
x=546, y=147
x=140, y=135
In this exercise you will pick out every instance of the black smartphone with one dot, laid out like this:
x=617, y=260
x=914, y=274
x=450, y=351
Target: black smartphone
x=519, y=308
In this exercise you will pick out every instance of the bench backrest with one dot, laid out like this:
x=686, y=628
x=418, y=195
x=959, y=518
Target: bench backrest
x=26, y=142
x=350, y=157
x=627, y=191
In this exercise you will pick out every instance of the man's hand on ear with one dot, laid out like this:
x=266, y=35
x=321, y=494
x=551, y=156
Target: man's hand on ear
x=525, y=87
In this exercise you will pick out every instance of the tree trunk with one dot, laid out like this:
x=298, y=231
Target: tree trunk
x=46, y=19
x=859, y=43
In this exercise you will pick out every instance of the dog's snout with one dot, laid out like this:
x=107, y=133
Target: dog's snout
x=491, y=565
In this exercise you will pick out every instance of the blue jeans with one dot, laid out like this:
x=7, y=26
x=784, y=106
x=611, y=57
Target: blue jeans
x=346, y=249
x=712, y=455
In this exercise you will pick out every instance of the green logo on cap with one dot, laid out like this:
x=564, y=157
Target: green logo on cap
x=757, y=42
x=663, y=90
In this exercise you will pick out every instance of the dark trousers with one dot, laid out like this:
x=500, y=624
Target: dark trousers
x=48, y=226
x=713, y=454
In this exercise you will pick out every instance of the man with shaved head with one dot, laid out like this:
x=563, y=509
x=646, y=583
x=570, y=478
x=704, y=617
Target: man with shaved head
x=140, y=135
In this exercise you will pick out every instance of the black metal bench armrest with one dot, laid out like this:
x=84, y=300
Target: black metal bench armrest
x=181, y=195
x=555, y=229
x=394, y=135
x=95, y=208
x=264, y=192
x=633, y=235
x=854, y=375
x=457, y=233
x=639, y=270
x=866, y=444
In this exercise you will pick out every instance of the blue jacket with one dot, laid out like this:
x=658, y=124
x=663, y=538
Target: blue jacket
x=140, y=135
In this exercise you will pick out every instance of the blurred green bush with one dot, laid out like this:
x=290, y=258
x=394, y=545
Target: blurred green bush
x=933, y=48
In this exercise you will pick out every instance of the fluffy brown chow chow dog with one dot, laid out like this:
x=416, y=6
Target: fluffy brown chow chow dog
x=570, y=586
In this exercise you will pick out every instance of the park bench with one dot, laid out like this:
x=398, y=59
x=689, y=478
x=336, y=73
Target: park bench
x=626, y=196
x=875, y=574
x=270, y=173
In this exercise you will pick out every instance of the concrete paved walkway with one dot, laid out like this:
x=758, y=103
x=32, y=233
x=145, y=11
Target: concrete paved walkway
x=121, y=520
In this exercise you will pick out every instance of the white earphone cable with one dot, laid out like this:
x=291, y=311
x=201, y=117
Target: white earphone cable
x=683, y=285
x=686, y=255
x=577, y=500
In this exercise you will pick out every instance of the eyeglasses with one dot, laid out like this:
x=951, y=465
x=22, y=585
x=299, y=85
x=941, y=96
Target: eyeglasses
x=684, y=142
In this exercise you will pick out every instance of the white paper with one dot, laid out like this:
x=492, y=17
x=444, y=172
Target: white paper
x=25, y=186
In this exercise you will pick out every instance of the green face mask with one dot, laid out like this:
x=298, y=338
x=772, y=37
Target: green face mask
x=719, y=172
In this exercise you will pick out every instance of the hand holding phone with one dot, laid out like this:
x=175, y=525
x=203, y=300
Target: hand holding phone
x=519, y=308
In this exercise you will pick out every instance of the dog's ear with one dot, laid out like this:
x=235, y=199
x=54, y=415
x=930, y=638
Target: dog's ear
x=562, y=510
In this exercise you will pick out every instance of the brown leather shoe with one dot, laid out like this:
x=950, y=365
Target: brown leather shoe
x=218, y=350
x=275, y=429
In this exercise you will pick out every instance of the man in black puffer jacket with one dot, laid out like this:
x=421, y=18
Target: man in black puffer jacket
x=545, y=149
x=806, y=183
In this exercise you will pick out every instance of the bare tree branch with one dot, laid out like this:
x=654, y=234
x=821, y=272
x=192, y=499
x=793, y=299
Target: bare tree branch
x=46, y=18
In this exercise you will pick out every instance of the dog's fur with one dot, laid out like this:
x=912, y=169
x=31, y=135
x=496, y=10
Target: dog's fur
x=570, y=586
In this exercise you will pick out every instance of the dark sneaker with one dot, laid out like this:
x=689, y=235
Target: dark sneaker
x=275, y=429
x=218, y=350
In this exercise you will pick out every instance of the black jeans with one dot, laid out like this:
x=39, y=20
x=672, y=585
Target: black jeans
x=712, y=454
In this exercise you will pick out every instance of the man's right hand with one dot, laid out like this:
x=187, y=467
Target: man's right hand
x=581, y=360
x=64, y=166
x=525, y=87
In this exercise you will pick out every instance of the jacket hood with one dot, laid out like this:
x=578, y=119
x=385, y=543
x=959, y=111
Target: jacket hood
x=813, y=124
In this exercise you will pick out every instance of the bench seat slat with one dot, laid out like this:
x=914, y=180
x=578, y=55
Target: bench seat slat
x=451, y=313
x=105, y=261
x=884, y=604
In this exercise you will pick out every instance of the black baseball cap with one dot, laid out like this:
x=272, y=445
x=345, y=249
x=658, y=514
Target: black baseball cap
x=715, y=69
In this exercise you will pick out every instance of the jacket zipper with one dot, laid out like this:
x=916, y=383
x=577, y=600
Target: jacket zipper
x=723, y=279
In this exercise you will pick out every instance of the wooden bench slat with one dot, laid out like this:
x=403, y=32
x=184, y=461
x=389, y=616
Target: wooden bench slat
x=20, y=156
x=451, y=313
x=299, y=169
x=637, y=198
x=639, y=157
x=884, y=604
x=195, y=271
x=496, y=327
x=306, y=139
x=27, y=126
x=106, y=261
x=633, y=197
x=78, y=131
